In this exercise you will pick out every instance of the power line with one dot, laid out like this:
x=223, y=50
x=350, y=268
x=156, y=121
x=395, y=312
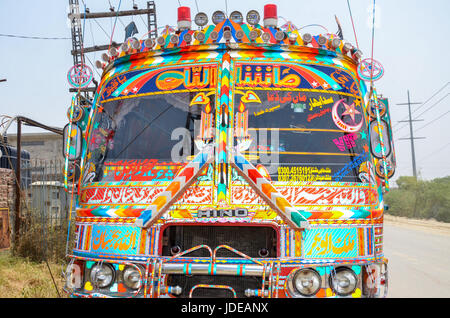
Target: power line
x=33, y=37
x=107, y=35
x=436, y=119
x=423, y=104
x=435, y=152
x=433, y=105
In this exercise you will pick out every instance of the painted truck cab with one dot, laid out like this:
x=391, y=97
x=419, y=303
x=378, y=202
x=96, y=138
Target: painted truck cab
x=233, y=161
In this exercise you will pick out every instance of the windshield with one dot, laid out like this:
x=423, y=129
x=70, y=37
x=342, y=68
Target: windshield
x=147, y=138
x=299, y=130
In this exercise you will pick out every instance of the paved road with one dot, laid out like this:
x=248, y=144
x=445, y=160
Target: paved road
x=419, y=262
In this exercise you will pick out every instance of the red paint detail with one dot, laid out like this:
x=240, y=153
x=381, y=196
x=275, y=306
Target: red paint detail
x=184, y=14
x=187, y=172
x=254, y=175
x=121, y=288
x=270, y=11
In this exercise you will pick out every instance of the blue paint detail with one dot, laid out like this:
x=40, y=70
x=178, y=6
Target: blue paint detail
x=356, y=269
x=145, y=216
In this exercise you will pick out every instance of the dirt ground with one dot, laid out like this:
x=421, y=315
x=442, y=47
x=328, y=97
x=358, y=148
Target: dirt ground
x=430, y=226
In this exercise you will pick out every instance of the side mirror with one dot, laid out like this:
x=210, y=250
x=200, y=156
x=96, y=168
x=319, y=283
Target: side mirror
x=375, y=142
x=72, y=141
x=380, y=130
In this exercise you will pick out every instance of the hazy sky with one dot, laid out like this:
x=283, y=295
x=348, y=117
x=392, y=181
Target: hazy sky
x=411, y=41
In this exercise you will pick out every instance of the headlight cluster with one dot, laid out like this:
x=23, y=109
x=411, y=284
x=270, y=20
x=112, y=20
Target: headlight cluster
x=307, y=282
x=104, y=275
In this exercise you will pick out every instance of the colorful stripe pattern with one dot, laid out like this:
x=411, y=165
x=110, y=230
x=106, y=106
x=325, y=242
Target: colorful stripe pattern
x=175, y=189
x=222, y=129
x=266, y=190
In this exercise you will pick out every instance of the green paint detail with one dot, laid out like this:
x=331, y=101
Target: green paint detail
x=208, y=31
x=89, y=264
x=222, y=188
x=356, y=269
x=322, y=270
x=296, y=217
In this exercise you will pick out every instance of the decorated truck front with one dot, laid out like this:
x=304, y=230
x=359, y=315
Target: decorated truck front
x=237, y=160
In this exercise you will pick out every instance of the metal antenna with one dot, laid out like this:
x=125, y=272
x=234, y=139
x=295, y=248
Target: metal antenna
x=196, y=4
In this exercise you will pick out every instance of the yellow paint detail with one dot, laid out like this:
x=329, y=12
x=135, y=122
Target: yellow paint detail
x=357, y=293
x=225, y=81
x=159, y=202
x=329, y=292
x=181, y=214
x=264, y=215
x=88, y=286
x=282, y=203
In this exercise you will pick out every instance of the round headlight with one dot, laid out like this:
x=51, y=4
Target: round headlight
x=343, y=281
x=218, y=16
x=201, y=19
x=307, y=282
x=132, y=277
x=236, y=17
x=102, y=275
x=252, y=17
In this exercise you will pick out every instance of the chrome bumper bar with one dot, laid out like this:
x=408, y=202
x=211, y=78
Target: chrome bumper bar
x=213, y=269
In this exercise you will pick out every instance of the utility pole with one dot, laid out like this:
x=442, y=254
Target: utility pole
x=18, y=184
x=75, y=16
x=411, y=133
x=78, y=49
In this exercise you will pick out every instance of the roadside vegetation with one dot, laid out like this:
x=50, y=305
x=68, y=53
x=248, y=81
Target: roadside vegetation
x=23, y=278
x=419, y=199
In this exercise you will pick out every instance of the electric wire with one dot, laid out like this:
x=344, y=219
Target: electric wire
x=145, y=23
x=353, y=24
x=435, y=104
x=435, y=152
x=423, y=104
x=114, y=27
x=33, y=37
x=107, y=35
x=434, y=120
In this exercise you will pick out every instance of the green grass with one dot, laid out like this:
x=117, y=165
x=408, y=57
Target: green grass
x=22, y=278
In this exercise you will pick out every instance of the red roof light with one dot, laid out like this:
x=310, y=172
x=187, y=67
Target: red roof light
x=270, y=11
x=184, y=14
